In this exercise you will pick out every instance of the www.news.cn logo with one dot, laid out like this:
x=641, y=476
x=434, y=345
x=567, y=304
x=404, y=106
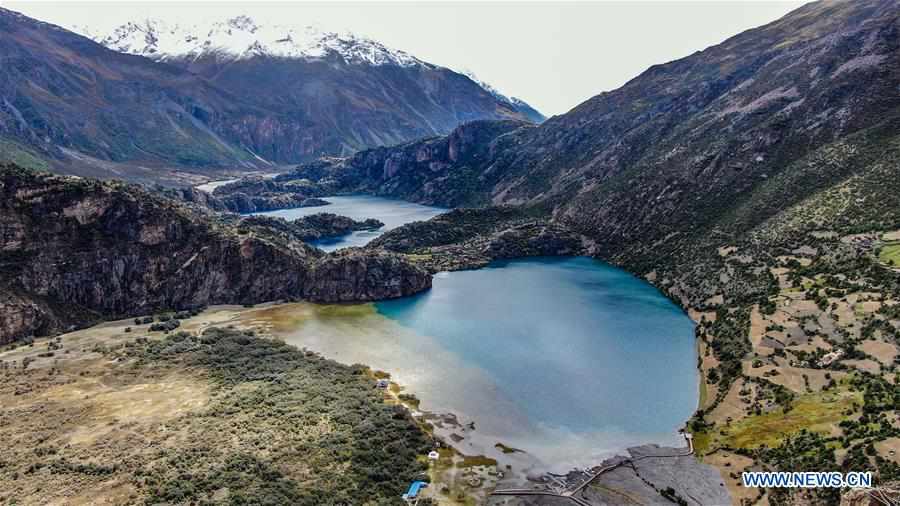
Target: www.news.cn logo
x=807, y=480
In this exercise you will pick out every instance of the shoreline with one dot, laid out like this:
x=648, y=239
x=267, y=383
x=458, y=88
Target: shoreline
x=471, y=464
x=526, y=470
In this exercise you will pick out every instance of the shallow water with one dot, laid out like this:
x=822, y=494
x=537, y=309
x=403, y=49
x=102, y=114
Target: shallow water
x=359, y=207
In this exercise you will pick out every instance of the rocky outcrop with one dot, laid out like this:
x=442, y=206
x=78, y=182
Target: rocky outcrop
x=353, y=274
x=256, y=194
x=21, y=316
x=312, y=227
x=243, y=203
x=472, y=238
x=320, y=225
x=72, y=250
x=192, y=196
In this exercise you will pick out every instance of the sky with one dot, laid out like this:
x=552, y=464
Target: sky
x=553, y=55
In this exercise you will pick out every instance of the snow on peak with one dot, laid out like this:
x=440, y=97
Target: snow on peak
x=493, y=91
x=241, y=37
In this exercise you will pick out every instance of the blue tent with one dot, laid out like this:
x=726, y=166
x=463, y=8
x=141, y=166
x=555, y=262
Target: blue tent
x=414, y=489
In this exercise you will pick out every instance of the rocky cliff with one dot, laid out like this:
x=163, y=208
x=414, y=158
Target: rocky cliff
x=73, y=250
x=350, y=275
x=447, y=171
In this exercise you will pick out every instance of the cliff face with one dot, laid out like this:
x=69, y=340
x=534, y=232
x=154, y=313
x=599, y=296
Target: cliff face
x=348, y=276
x=22, y=316
x=446, y=171
x=72, y=250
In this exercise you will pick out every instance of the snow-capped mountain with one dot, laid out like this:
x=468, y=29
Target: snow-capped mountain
x=518, y=103
x=241, y=37
x=222, y=95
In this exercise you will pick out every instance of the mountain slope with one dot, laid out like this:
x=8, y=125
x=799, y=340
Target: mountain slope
x=440, y=170
x=530, y=113
x=93, y=111
x=355, y=92
x=71, y=101
x=738, y=116
x=677, y=145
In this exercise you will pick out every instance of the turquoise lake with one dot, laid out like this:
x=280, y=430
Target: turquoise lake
x=578, y=343
x=569, y=359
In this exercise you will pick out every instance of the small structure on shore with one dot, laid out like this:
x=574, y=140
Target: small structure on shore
x=828, y=358
x=382, y=384
x=690, y=441
x=412, y=494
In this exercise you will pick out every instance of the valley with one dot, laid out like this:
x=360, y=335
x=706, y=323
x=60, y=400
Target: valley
x=492, y=436
x=316, y=291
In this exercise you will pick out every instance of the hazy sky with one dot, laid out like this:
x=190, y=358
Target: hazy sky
x=554, y=55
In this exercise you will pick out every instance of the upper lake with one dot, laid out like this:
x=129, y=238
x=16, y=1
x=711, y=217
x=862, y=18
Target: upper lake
x=359, y=207
x=569, y=359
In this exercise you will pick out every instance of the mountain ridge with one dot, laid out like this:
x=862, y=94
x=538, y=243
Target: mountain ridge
x=241, y=38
